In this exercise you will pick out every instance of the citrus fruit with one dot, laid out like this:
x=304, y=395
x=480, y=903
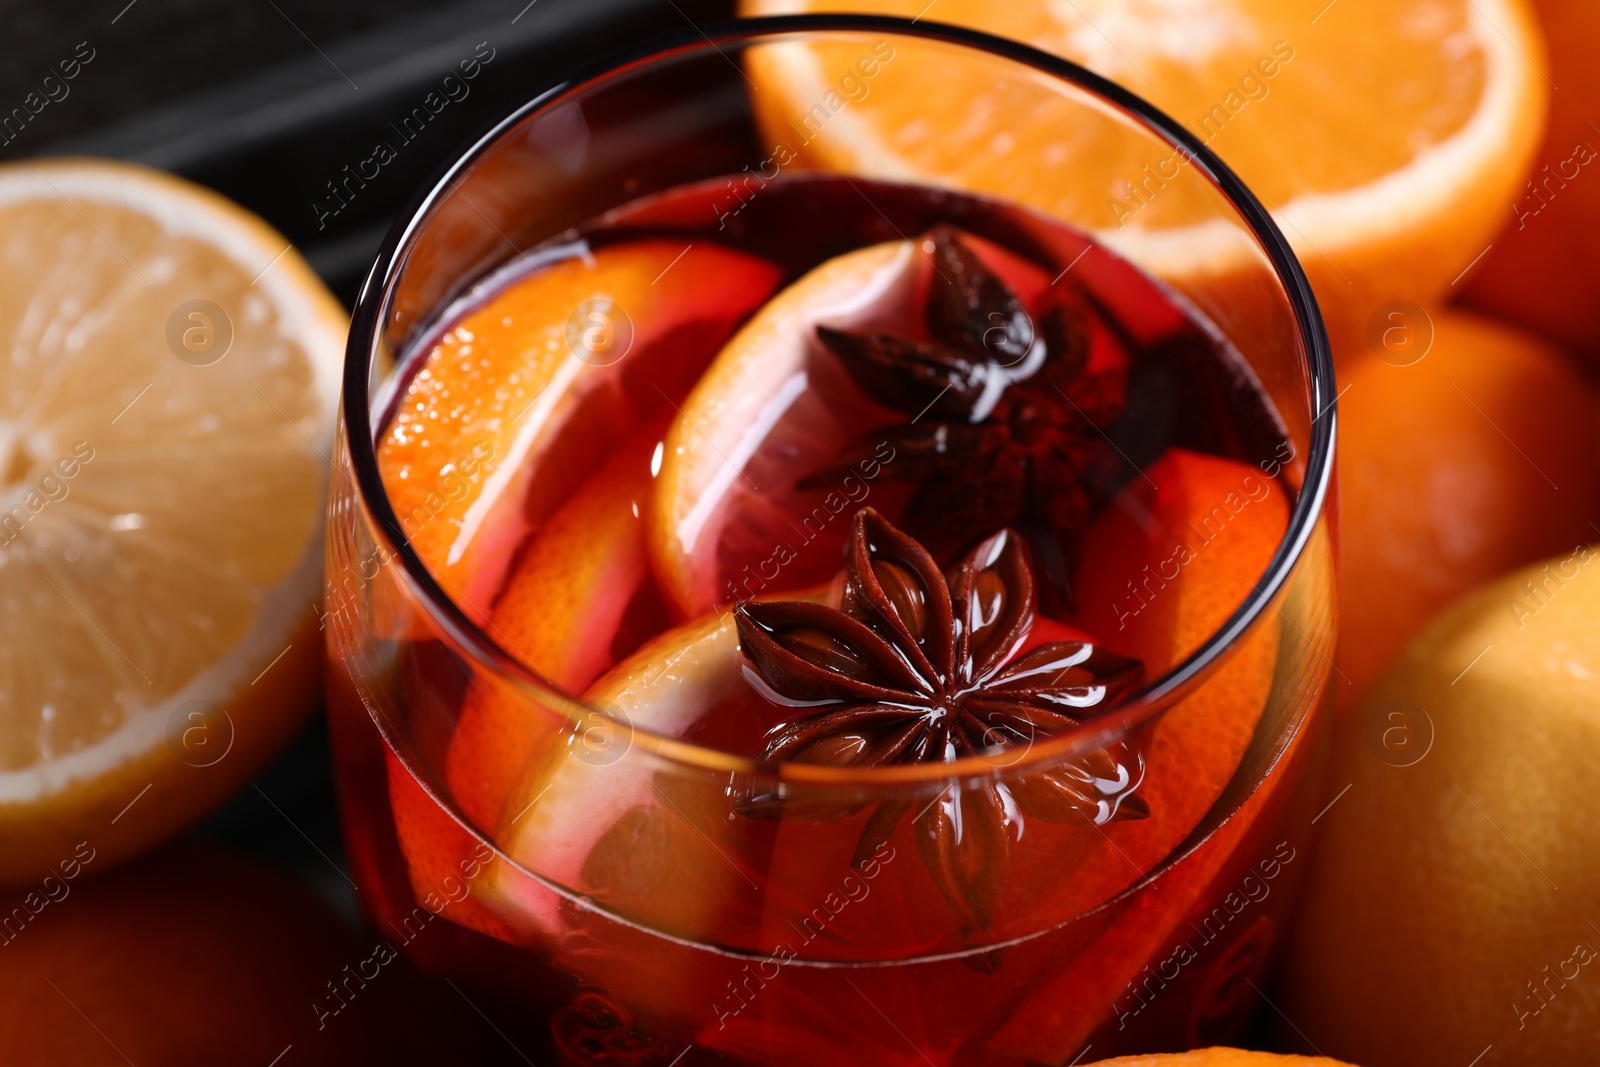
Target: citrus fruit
x=1210, y=525
x=1387, y=188
x=754, y=418
x=1450, y=903
x=1538, y=272
x=1478, y=458
x=586, y=816
x=189, y=957
x=171, y=375
x=578, y=600
x=1217, y=1057
x=730, y=521
x=524, y=393
x=593, y=817
x=443, y=860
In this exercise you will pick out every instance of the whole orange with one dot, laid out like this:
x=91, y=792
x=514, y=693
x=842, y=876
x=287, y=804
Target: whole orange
x=1540, y=270
x=1451, y=902
x=1476, y=458
x=1217, y=1057
x=190, y=956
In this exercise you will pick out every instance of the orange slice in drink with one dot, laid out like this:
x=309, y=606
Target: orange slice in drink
x=1387, y=138
x=725, y=498
x=588, y=811
x=525, y=395
x=1218, y=1057
x=596, y=792
x=578, y=600
x=731, y=523
x=628, y=854
x=585, y=814
x=444, y=862
x=1175, y=554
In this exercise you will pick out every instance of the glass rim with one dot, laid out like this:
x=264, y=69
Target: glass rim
x=371, y=305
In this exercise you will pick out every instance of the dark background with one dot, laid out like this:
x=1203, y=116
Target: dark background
x=266, y=101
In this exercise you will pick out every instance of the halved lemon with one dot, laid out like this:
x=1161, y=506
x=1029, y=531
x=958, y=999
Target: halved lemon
x=1387, y=137
x=170, y=375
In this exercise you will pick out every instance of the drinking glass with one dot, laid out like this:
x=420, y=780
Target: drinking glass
x=781, y=947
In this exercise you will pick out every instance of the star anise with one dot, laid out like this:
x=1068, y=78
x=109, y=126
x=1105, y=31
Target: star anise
x=918, y=666
x=1004, y=418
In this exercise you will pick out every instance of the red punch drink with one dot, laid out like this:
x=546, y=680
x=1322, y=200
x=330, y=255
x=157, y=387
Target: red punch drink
x=817, y=619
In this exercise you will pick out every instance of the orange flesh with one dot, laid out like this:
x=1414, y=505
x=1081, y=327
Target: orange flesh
x=1219, y=522
x=506, y=404
x=564, y=612
x=1213, y=76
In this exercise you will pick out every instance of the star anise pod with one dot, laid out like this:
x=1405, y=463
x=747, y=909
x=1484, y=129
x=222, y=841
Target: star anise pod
x=1005, y=418
x=918, y=666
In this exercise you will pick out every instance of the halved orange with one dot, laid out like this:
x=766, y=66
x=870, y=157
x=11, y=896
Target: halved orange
x=1387, y=138
x=1218, y=1057
x=518, y=402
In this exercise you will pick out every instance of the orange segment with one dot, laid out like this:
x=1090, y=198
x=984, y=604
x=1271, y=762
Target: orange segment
x=444, y=863
x=756, y=419
x=526, y=393
x=730, y=521
x=591, y=795
x=594, y=816
x=590, y=813
x=579, y=581
x=1165, y=566
x=1388, y=182
x=1195, y=748
x=1218, y=1057
x=1176, y=553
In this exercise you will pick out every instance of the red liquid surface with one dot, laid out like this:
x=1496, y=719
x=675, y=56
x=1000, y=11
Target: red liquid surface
x=641, y=917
